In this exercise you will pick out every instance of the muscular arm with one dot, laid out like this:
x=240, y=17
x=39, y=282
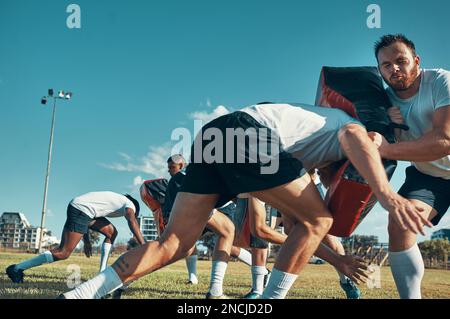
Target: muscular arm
x=134, y=226
x=430, y=147
x=258, y=226
x=364, y=155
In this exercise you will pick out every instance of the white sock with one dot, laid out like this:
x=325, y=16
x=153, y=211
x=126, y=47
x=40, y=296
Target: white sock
x=245, y=256
x=191, y=264
x=342, y=278
x=217, y=274
x=99, y=286
x=279, y=284
x=407, y=269
x=258, y=273
x=44, y=258
x=105, y=251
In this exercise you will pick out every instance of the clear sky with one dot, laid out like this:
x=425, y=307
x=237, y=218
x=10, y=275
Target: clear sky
x=140, y=69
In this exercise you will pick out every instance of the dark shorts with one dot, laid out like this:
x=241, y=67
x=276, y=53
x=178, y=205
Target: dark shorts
x=77, y=221
x=434, y=191
x=229, y=179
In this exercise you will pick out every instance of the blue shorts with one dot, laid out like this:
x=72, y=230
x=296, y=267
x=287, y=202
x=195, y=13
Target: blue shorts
x=434, y=191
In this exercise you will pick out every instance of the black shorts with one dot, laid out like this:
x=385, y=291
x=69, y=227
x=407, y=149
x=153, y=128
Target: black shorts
x=77, y=221
x=434, y=191
x=231, y=178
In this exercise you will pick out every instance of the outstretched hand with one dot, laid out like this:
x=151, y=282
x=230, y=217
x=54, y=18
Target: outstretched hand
x=355, y=268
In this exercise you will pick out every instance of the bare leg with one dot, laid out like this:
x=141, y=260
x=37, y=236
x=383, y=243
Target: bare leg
x=221, y=225
x=301, y=202
x=189, y=217
x=104, y=227
x=69, y=240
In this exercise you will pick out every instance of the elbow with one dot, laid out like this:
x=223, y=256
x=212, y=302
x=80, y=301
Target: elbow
x=349, y=132
x=260, y=233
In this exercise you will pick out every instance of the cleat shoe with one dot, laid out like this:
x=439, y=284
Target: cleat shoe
x=16, y=275
x=266, y=278
x=117, y=294
x=209, y=296
x=252, y=295
x=351, y=290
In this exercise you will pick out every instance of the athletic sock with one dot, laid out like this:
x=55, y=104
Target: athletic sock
x=342, y=278
x=105, y=251
x=245, y=256
x=279, y=284
x=258, y=273
x=44, y=258
x=217, y=274
x=191, y=264
x=99, y=286
x=407, y=269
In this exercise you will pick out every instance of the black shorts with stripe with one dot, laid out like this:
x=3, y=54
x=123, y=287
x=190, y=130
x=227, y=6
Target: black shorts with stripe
x=434, y=191
x=229, y=178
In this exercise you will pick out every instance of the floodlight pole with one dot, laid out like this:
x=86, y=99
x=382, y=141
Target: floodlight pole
x=44, y=205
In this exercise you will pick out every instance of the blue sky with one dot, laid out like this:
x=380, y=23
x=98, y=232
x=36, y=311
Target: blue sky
x=140, y=69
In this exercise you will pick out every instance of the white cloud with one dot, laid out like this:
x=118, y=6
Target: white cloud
x=50, y=213
x=125, y=156
x=207, y=117
x=137, y=181
x=153, y=163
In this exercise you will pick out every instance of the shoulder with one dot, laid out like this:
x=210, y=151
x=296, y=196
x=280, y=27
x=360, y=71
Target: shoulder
x=436, y=75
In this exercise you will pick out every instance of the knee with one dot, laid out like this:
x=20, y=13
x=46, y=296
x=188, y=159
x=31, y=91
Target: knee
x=113, y=234
x=60, y=254
x=320, y=226
x=394, y=230
x=227, y=230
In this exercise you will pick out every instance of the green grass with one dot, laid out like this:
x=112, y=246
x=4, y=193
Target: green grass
x=315, y=281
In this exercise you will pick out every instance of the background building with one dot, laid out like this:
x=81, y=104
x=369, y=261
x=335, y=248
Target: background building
x=148, y=227
x=17, y=233
x=443, y=233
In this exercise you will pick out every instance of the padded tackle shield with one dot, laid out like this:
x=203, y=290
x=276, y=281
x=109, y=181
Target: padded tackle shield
x=153, y=194
x=360, y=93
x=243, y=237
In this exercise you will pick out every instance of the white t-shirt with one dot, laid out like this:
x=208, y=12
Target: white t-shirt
x=102, y=204
x=417, y=111
x=308, y=132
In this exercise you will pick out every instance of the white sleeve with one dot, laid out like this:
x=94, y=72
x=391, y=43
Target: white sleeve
x=442, y=90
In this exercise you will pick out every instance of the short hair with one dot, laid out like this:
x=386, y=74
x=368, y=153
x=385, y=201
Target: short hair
x=177, y=159
x=135, y=203
x=388, y=39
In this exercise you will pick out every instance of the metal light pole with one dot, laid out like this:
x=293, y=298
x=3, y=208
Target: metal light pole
x=62, y=96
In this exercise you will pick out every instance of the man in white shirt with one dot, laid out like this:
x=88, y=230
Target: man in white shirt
x=421, y=100
x=283, y=141
x=88, y=211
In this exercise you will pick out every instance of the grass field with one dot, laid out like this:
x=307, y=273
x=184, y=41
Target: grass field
x=316, y=281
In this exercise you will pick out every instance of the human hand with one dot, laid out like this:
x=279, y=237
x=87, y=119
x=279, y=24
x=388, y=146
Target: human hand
x=407, y=215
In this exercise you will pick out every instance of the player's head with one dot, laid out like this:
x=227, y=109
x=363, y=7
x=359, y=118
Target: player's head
x=135, y=203
x=398, y=61
x=175, y=163
x=327, y=173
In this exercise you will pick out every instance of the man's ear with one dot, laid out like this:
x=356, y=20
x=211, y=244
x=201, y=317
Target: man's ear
x=417, y=60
